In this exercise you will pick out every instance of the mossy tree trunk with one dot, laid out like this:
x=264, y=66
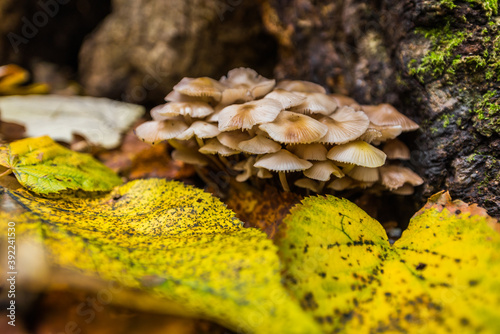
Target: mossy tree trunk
x=436, y=61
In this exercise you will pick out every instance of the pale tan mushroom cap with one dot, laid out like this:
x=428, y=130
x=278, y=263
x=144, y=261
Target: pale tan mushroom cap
x=213, y=146
x=282, y=161
x=174, y=96
x=246, y=115
x=263, y=173
x=314, y=151
x=342, y=184
x=396, y=149
x=308, y=184
x=371, y=135
x=387, y=132
x=154, y=132
x=293, y=128
x=359, y=153
x=323, y=170
x=364, y=174
x=189, y=157
x=344, y=126
x=386, y=115
x=301, y=86
x=245, y=166
x=193, y=109
x=199, y=129
x=286, y=98
x=316, y=103
x=259, y=145
x=232, y=139
x=156, y=116
x=345, y=101
x=393, y=177
x=200, y=87
x=245, y=84
x=405, y=189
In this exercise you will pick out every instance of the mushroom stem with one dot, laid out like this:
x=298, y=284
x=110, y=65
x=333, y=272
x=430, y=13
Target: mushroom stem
x=199, y=141
x=188, y=119
x=225, y=162
x=348, y=168
x=175, y=144
x=283, y=181
x=321, y=186
x=7, y=172
x=216, y=162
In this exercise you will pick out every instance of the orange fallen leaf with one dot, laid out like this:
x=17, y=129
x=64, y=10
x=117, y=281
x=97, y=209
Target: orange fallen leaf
x=442, y=200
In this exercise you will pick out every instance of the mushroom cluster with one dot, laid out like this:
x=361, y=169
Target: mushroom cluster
x=255, y=128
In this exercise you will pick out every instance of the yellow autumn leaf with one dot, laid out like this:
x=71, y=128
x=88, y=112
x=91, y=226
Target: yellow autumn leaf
x=177, y=248
x=12, y=78
x=440, y=277
x=43, y=166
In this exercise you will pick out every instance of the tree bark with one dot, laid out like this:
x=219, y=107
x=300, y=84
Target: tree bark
x=146, y=46
x=436, y=61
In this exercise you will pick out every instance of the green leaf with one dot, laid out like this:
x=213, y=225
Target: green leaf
x=179, y=249
x=441, y=276
x=43, y=166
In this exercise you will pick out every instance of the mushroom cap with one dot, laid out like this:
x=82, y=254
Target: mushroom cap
x=286, y=98
x=200, y=87
x=293, y=128
x=232, y=139
x=386, y=115
x=246, y=166
x=387, y=132
x=314, y=151
x=345, y=101
x=301, y=86
x=282, y=161
x=316, y=103
x=190, y=157
x=371, y=135
x=263, y=173
x=213, y=146
x=364, y=174
x=405, y=190
x=199, y=129
x=214, y=117
x=174, y=96
x=156, y=116
x=259, y=145
x=194, y=109
x=344, y=126
x=154, y=132
x=244, y=84
x=394, y=176
x=308, y=184
x=396, y=149
x=246, y=115
x=342, y=184
x=323, y=170
x=359, y=153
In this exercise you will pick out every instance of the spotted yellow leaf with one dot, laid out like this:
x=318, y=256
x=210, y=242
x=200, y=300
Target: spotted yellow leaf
x=177, y=248
x=43, y=166
x=442, y=276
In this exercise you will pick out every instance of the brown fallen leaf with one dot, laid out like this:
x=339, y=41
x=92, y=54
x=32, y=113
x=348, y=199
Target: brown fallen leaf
x=11, y=131
x=155, y=162
x=120, y=159
x=262, y=209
